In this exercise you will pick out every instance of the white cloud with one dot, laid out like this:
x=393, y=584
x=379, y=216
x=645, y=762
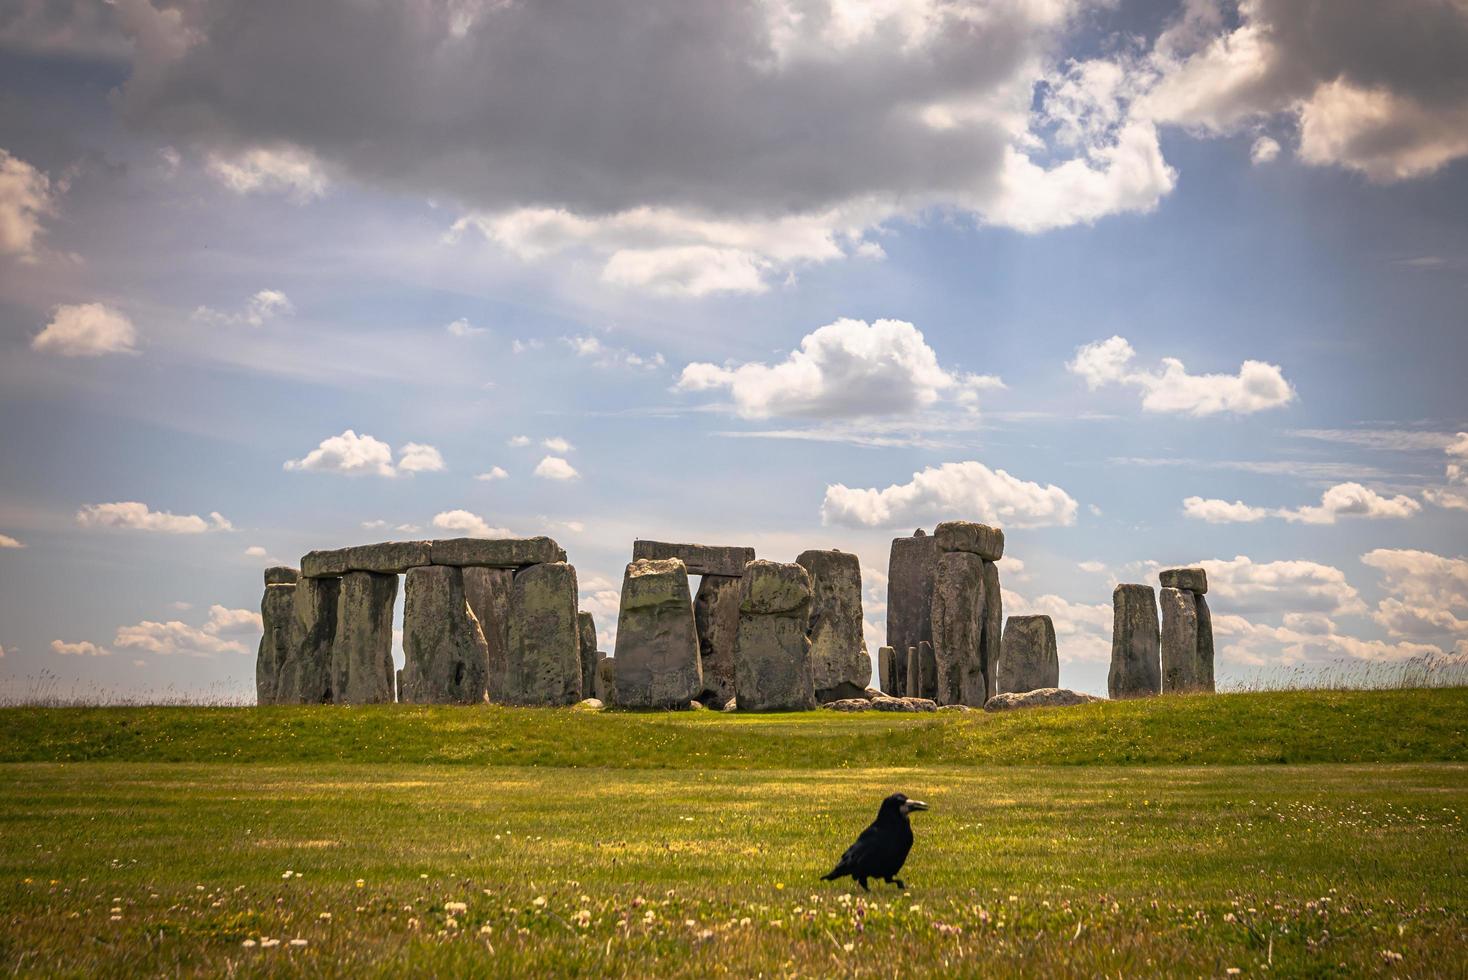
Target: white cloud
x=352, y=455
x=845, y=369
x=25, y=197
x=1428, y=593
x=283, y=169
x=518, y=441
x=1341, y=500
x=968, y=490
x=86, y=330
x=174, y=638
x=468, y=524
x=375, y=525
x=266, y=304
x=254, y=551
x=1094, y=567
x=556, y=444
x=6, y=541
x=493, y=473
x=1082, y=630
x=1302, y=639
x=84, y=648
x=518, y=346
x=1456, y=475
x=1257, y=386
x=603, y=599
x=463, y=328
x=223, y=621
x=603, y=355
x=555, y=468
x=1244, y=586
x=134, y=516
x=1264, y=150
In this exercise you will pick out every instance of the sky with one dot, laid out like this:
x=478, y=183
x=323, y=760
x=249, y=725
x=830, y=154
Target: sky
x=1145, y=284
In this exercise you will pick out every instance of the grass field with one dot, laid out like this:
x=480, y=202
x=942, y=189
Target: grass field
x=1295, y=833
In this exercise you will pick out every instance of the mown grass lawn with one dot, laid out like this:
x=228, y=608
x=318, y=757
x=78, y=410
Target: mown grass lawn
x=210, y=868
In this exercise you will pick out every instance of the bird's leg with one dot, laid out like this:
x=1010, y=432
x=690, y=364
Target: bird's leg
x=898, y=883
x=863, y=883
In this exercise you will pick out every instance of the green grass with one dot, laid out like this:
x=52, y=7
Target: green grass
x=701, y=854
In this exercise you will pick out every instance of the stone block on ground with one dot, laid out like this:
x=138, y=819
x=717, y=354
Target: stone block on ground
x=511, y=553
x=361, y=661
x=716, y=617
x=544, y=653
x=657, y=643
x=1136, y=669
x=1188, y=579
x=698, y=559
x=1028, y=659
x=911, y=566
x=839, y=663
x=487, y=590
x=445, y=653
x=976, y=539
x=1045, y=697
x=958, y=628
x=909, y=705
x=590, y=704
x=305, y=677
x=278, y=619
x=385, y=558
x=772, y=669
x=848, y=704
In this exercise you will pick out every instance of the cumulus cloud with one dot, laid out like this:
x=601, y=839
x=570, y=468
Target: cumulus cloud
x=968, y=490
x=281, y=169
x=1264, y=150
x=493, y=473
x=518, y=441
x=352, y=455
x=604, y=355
x=83, y=648
x=254, y=551
x=1082, y=630
x=1427, y=593
x=1341, y=500
x=174, y=638
x=25, y=198
x=1451, y=496
x=556, y=444
x=602, y=598
x=555, y=468
x=266, y=304
x=6, y=541
x=463, y=328
x=468, y=524
x=86, y=330
x=1245, y=586
x=1256, y=387
x=846, y=369
x=132, y=515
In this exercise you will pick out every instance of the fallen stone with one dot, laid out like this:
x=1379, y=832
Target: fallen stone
x=1045, y=697
x=1179, y=640
x=387, y=558
x=848, y=704
x=586, y=631
x=839, y=663
x=282, y=575
x=361, y=657
x=872, y=692
x=589, y=704
x=903, y=704
x=910, y=570
x=445, y=653
x=1193, y=580
x=487, y=590
x=1135, y=665
x=305, y=677
x=976, y=539
x=698, y=559
x=731, y=705
x=1205, y=643
x=955, y=707
x=544, y=654
x=508, y=553
x=958, y=628
x=278, y=618
x=657, y=644
x=991, y=641
x=697, y=706
x=1028, y=659
x=606, y=679
x=716, y=617
x=771, y=651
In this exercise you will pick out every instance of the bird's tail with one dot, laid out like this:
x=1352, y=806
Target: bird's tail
x=834, y=873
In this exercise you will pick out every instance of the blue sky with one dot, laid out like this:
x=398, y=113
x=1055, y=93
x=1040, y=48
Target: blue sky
x=1145, y=284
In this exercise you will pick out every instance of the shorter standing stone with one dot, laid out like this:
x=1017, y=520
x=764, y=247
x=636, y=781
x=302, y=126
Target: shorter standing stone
x=657, y=643
x=885, y=678
x=976, y=539
x=544, y=657
x=278, y=617
x=1135, y=665
x=839, y=662
x=1028, y=659
x=914, y=674
x=911, y=567
x=928, y=667
x=361, y=663
x=445, y=654
x=958, y=628
x=606, y=679
x=1180, y=671
x=772, y=653
x=306, y=675
x=991, y=642
x=1205, y=643
x=1193, y=580
x=487, y=590
x=587, y=626
x=716, y=616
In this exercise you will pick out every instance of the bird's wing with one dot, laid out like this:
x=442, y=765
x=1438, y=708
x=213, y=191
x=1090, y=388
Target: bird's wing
x=859, y=851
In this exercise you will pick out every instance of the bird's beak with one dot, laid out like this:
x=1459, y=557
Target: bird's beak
x=912, y=805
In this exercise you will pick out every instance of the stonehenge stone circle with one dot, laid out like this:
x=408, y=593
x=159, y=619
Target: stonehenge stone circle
x=361, y=656
x=1187, y=631
x=911, y=566
x=278, y=618
x=487, y=590
x=657, y=643
x=1194, y=580
x=544, y=654
x=1136, y=669
x=698, y=559
x=586, y=632
x=716, y=617
x=446, y=656
x=772, y=669
x=306, y=675
x=958, y=628
x=839, y=663
x=1028, y=660
x=976, y=539
x=386, y=558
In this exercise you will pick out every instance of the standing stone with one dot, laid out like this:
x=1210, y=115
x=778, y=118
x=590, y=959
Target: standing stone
x=361, y=657
x=910, y=571
x=885, y=678
x=839, y=663
x=306, y=676
x=544, y=654
x=1180, y=668
x=928, y=677
x=716, y=616
x=606, y=679
x=587, y=633
x=278, y=616
x=1135, y=665
x=991, y=643
x=1028, y=660
x=772, y=669
x=445, y=654
x=657, y=644
x=1205, y=643
x=914, y=674
x=958, y=629
x=487, y=590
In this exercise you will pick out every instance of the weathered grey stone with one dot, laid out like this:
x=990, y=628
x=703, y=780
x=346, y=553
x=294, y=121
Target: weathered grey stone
x=991, y=642
x=282, y=575
x=586, y=631
x=361, y=657
x=903, y=704
x=305, y=677
x=839, y=663
x=958, y=628
x=928, y=671
x=657, y=644
x=509, y=553
x=445, y=654
x=956, y=707
x=910, y=570
x=914, y=674
x=544, y=653
x=698, y=559
x=696, y=706
x=771, y=651
x=716, y=617
x=1205, y=643
x=590, y=704
x=278, y=617
x=1045, y=697
x=885, y=677
x=731, y=705
x=976, y=539
x=487, y=590
x=873, y=692
x=606, y=679
x=399, y=684
x=848, y=704
x=1135, y=665
x=386, y=558
x=1188, y=579
x=1183, y=667
x=1028, y=659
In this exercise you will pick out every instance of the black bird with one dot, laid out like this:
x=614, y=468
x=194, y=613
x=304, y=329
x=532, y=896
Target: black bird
x=882, y=848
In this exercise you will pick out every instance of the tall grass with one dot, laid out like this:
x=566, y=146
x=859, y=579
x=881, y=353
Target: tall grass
x=1427, y=670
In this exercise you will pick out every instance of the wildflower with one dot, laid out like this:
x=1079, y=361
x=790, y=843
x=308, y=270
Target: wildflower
x=451, y=922
x=1390, y=957
x=116, y=918
x=324, y=917
x=539, y=902
x=486, y=929
x=744, y=921
x=284, y=876
x=583, y=918
x=848, y=947
x=269, y=943
x=1233, y=971
x=298, y=942
x=423, y=876
x=706, y=935
x=249, y=944
x=455, y=907
x=360, y=882
x=779, y=885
